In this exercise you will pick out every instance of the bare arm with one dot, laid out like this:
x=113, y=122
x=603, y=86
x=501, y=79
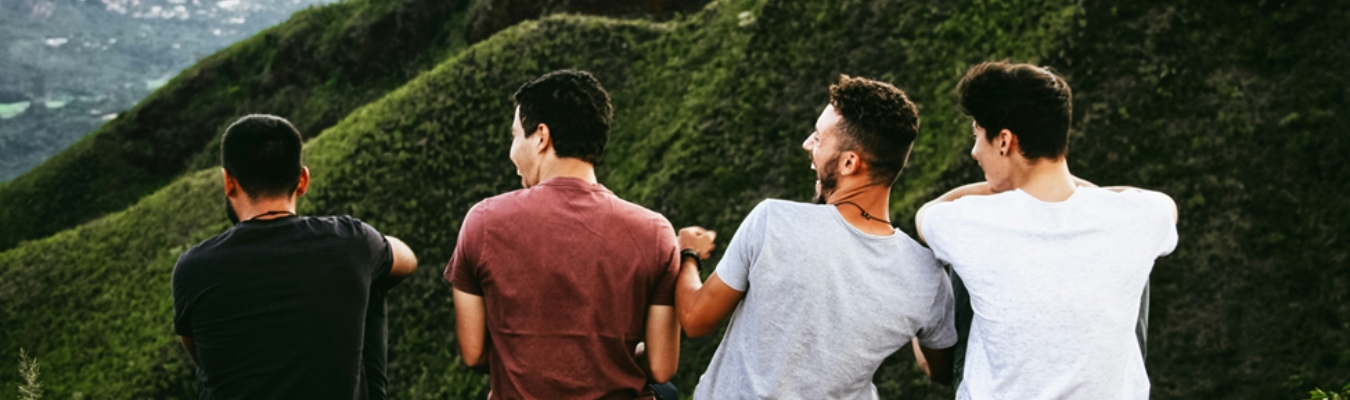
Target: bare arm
x=701, y=307
x=190, y=344
x=405, y=262
x=663, y=343
x=471, y=329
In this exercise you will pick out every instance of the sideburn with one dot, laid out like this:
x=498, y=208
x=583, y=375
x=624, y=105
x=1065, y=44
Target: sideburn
x=829, y=178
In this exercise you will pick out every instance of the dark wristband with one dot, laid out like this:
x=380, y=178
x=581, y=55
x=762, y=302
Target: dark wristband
x=690, y=253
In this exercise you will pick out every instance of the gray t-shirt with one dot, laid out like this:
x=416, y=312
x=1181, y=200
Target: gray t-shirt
x=824, y=304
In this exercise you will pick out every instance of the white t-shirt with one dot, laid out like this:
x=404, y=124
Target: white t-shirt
x=1054, y=288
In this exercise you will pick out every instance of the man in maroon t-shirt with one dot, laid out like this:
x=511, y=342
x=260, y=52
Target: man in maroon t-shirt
x=557, y=286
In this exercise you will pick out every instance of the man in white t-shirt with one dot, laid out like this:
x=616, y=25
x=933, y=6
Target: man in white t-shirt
x=1054, y=265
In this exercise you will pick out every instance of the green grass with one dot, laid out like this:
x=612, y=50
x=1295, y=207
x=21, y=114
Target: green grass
x=1237, y=121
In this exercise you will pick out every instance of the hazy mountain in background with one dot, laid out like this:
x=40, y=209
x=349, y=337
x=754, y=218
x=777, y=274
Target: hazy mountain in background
x=70, y=65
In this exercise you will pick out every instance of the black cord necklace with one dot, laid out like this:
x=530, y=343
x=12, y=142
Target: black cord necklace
x=286, y=213
x=869, y=217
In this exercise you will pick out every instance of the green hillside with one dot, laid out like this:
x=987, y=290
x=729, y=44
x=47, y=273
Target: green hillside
x=313, y=69
x=1237, y=121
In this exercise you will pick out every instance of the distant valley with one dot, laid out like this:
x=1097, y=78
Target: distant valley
x=70, y=65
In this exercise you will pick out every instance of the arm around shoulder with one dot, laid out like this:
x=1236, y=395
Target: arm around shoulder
x=974, y=189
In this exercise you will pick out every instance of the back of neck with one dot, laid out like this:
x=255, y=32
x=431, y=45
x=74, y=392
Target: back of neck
x=1048, y=180
x=569, y=168
x=869, y=211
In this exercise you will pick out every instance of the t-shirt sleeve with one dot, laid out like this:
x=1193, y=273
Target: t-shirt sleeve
x=934, y=220
x=183, y=296
x=381, y=253
x=667, y=266
x=1166, y=223
x=745, y=247
x=940, y=331
x=462, y=271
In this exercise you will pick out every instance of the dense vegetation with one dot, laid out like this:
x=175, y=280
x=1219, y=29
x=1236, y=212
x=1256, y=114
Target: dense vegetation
x=1237, y=121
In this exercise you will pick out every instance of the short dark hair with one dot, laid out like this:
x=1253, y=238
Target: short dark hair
x=879, y=120
x=1032, y=102
x=575, y=108
x=262, y=152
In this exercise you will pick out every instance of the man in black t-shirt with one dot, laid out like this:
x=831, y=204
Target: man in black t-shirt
x=275, y=307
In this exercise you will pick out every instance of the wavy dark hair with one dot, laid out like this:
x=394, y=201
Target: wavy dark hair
x=575, y=108
x=879, y=122
x=1031, y=102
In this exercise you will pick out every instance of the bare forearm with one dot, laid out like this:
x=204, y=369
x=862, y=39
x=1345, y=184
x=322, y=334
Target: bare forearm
x=687, y=292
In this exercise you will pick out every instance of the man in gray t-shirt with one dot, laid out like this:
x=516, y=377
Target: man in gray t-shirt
x=822, y=293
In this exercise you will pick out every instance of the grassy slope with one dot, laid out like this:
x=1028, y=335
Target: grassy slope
x=710, y=111
x=414, y=162
x=314, y=69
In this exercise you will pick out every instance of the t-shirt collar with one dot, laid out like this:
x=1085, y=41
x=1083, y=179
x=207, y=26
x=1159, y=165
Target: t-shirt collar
x=567, y=181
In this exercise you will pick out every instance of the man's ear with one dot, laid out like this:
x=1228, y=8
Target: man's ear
x=544, y=139
x=1007, y=142
x=231, y=185
x=303, y=186
x=850, y=163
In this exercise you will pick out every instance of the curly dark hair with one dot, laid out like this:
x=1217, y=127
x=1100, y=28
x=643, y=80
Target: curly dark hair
x=1031, y=102
x=879, y=121
x=575, y=108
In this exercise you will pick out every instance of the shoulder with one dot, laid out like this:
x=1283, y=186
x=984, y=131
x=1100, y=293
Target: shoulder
x=1143, y=201
x=197, y=257
x=204, y=250
x=636, y=214
x=775, y=208
x=342, y=225
x=964, y=207
x=499, y=206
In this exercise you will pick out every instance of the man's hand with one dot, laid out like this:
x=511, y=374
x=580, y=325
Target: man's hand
x=699, y=240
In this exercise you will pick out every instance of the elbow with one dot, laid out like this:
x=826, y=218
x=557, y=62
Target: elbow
x=696, y=329
x=473, y=364
x=664, y=373
x=472, y=359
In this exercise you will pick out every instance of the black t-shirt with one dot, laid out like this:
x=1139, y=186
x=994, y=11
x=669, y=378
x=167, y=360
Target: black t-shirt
x=278, y=307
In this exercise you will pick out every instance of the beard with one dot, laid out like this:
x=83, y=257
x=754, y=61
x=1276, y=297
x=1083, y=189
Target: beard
x=229, y=212
x=828, y=177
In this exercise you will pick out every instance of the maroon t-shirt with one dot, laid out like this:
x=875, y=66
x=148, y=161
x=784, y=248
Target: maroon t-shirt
x=566, y=270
